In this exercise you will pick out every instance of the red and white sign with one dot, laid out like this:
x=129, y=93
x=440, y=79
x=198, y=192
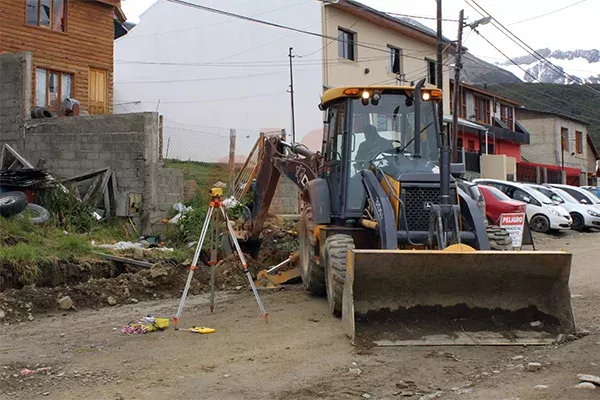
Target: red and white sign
x=514, y=223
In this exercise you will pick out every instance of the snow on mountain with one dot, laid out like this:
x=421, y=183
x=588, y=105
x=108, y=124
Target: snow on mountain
x=577, y=66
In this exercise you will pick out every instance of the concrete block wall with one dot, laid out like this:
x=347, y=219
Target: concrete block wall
x=15, y=90
x=286, y=198
x=127, y=143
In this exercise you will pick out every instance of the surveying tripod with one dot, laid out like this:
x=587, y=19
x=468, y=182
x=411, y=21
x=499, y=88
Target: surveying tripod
x=216, y=203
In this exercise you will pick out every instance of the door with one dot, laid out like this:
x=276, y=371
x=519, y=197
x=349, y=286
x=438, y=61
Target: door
x=333, y=152
x=97, y=89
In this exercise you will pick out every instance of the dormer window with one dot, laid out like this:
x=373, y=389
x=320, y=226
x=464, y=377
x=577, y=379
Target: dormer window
x=51, y=14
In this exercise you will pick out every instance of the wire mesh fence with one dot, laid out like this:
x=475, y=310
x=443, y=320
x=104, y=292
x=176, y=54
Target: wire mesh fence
x=208, y=155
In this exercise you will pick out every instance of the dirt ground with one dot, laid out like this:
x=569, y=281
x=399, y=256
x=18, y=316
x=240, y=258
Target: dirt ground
x=301, y=353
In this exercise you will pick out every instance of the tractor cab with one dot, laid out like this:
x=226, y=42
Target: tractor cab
x=392, y=129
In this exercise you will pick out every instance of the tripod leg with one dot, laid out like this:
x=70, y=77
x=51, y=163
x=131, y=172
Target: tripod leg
x=213, y=260
x=193, y=266
x=245, y=265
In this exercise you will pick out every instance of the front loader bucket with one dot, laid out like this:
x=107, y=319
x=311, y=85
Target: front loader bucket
x=433, y=297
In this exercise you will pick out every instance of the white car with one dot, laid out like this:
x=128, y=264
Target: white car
x=581, y=195
x=543, y=214
x=583, y=215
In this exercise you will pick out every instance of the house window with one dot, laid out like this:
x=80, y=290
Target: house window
x=395, y=60
x=564, y=139
x=52, y=87
x=579, y=142
x=463, y=104
x=507, y=116
x=50, y=14
x=346, y=44
x=482, y=110
x=431, y=71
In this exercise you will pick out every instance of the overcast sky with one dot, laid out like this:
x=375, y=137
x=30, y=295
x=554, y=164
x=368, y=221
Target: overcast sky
x=569, y=29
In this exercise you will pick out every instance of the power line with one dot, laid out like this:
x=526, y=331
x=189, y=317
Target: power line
x=528, y=48
x=221, y=99
x=548, y=13
x=419, y=16
x=280, y=26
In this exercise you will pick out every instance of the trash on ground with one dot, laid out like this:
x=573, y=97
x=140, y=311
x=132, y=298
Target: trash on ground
x=145, y=325
x=26, y=372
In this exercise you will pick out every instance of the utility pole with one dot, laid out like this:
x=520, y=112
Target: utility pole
x=455, y=94
x=291, y=56
x=440, y=61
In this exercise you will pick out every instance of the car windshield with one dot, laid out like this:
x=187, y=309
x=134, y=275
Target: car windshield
x=551, y=194
x=540, y=196
x=387, y=129
x=496, y=193
x=566, y=196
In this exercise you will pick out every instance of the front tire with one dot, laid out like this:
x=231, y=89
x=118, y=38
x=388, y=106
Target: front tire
x=578, y=222
x=540, y=223
x=336, y=262
x=313, y=275
x=499, y=238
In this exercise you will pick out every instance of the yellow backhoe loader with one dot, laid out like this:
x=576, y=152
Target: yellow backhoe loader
x=402, y=254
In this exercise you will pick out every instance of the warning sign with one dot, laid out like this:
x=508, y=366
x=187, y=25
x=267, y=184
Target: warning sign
x=514, y=223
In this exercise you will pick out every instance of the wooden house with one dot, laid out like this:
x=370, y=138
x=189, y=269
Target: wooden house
x=72, y=46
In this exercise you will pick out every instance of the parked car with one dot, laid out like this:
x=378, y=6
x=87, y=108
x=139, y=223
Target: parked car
x=584, y=216
x=595, y=190
x=543, y=214
x=582, y=195
x=497, y=203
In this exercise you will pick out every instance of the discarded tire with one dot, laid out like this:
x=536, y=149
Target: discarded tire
x=499, y=238
x=12, y=203
x=36, y=213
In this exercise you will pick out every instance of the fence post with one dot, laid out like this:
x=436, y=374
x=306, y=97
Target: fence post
x=538, y=175
x=232, y=135
x=160, y=137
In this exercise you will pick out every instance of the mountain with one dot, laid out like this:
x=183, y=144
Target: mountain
x=572, y=100
x=572, y=66
x=478, y=72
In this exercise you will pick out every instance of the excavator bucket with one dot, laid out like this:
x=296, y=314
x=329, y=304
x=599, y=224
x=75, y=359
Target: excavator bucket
x=450, y=297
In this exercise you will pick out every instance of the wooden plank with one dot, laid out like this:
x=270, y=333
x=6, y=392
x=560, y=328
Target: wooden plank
x=125, y=260
x=86, y=175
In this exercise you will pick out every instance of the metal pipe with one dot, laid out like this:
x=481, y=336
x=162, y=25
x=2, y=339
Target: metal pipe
x=367, y=223
x=417, y=106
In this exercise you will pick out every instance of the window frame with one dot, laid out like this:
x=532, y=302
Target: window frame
x=348, y=45
x=564, y=139
x=60, y=73
x=393, y=49
x=507, y=115
x=579, y=142
x=51, y=25
x=431, y=78
x=487, y=112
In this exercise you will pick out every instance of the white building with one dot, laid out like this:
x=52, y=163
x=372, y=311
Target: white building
x=203, y=68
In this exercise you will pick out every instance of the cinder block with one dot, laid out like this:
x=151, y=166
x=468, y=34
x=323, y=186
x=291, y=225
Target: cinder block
x=91, y=156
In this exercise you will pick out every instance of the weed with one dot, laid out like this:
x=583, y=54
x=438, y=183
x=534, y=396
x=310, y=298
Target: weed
x=68, y=212
x=25, y=259
x=73, y=246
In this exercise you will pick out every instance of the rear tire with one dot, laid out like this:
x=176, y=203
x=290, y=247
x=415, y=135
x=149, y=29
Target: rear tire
x=499, y=238
x=540, y=223
x=12, y=203
x=313, y=275
x=578, y=222
x=336, y=261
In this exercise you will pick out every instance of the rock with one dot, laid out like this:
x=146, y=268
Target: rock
x=431, y=395
x=159, y=270
x=407, y=393
x=138, y=254
x=2, y=314
x=239, y=287
x=540, y=387
x=355, y=371
x=111, y=301
x=571, y=338
x=366, y=395
x=536, y=323
x=534, y=366
x=134, y=301
x=46, y=394
x=30, y=317
x=589, y=378
x=485, y=373
x=585, y=385
x=516, y=358
x=126, y=292
x=402, y=385
x=496, y=371
x=226, y=375
x=65, y=303
x=583, y=333
x=62, y=335
x=561, y=338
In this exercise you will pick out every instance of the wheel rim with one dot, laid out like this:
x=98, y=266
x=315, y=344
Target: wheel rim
x=539, y=224
x=5, y=201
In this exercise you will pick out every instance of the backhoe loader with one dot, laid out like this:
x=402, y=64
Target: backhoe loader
x=402, y=254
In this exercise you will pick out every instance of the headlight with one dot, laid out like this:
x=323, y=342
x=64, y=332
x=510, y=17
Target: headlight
x=594, y=213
